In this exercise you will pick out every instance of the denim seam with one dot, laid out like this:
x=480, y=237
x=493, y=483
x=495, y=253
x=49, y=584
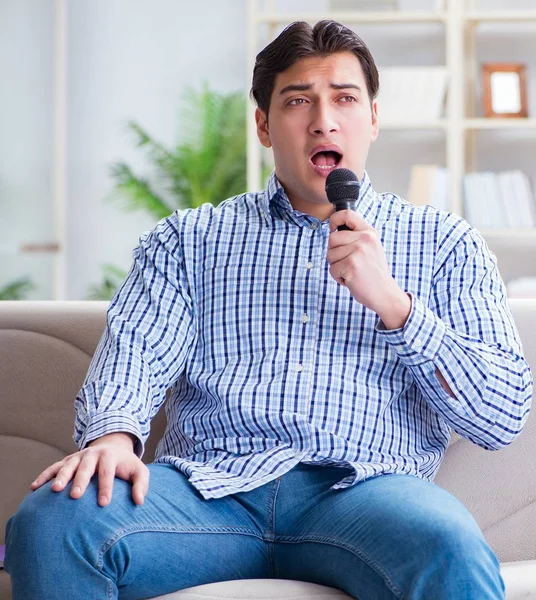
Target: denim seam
x=272, y=499
x=326, y=540
x=166, y=529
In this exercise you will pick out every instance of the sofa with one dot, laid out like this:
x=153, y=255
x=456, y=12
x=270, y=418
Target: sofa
x=45, y=350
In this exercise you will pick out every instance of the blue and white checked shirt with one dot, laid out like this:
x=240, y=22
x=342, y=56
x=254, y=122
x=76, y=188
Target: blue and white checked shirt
x=271, y=362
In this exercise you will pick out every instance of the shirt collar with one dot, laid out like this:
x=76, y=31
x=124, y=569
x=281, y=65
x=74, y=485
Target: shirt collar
x=278, y=204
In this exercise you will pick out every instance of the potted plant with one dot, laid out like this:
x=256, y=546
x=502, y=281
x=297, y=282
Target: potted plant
x=16, y=290
x=207, y=165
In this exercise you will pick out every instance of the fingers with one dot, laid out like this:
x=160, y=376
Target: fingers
x=86, y=469
x=140, y=481
x=48, y=474
x=350, y=218
x=108, y=462
x=107, y=470
x=343, y=244
x=346, y=238
x=66, y=472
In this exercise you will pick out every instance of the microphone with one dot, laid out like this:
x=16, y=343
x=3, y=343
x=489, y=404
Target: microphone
x=342, y=189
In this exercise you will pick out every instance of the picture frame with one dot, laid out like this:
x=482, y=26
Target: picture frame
x=504, y=90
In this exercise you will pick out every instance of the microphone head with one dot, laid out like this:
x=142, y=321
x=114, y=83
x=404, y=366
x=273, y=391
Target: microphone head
x=342, y=184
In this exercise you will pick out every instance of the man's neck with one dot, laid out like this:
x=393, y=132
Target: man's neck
x=320, y=211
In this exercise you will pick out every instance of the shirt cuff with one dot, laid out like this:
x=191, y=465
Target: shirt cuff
x=421, y=337
x=113, y=421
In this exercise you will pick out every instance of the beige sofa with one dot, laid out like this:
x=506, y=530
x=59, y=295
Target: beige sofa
x=45, y=349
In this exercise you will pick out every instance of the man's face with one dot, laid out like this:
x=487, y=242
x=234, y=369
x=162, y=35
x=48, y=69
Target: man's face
x=320, y=118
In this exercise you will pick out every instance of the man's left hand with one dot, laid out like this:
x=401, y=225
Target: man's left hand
x=357, y=261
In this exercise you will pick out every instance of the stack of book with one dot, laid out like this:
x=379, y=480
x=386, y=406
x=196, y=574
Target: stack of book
x=429, y=184
x=499, y=200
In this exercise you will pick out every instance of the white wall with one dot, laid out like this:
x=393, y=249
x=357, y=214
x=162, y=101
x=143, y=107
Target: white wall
x=131, y=59
x=127, y=59
x=26, y=135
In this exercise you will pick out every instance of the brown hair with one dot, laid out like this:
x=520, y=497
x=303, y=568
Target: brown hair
x=299, y=40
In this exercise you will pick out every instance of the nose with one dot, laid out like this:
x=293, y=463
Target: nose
x=323, y=120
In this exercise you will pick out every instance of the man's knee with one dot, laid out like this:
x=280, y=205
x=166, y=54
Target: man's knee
x=47, y=518
x=458, y=561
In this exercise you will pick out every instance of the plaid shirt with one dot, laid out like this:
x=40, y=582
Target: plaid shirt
x=270, y=362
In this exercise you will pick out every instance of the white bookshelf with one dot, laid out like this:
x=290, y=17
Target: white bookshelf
x=274, y=18
x=499, y=124
x=500, y=16
x=460, y=126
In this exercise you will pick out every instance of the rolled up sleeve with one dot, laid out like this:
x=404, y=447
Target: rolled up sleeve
x=150, y=328
x=468, y=333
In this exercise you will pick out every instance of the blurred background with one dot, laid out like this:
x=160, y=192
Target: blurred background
x=114, y=113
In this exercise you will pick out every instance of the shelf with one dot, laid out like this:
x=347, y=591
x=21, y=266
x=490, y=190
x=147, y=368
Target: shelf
x=414, y=126
x=524, y=232
x=29, y=248
x=390, y=16
x=459, y=137
x=500, y=16
x=499, y=123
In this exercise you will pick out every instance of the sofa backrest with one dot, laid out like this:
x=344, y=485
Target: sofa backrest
x=45, y=351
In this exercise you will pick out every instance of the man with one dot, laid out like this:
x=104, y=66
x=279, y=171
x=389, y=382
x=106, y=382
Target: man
x=316, y=375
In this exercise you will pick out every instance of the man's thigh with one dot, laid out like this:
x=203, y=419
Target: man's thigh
x=176, y=539
x=374, y=539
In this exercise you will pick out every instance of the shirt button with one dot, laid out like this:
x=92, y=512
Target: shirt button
x=309, y=266
x=299, y=368
x=304, y=318
x=418, y=343
x=313, y=226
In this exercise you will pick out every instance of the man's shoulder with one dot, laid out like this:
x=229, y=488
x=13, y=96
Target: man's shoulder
x=399, y=211
x=206, y=216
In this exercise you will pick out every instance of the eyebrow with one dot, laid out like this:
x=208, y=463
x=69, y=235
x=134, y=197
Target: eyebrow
x=305, y=87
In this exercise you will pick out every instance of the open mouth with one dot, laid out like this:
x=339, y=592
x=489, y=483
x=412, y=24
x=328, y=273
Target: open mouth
x=326, y=160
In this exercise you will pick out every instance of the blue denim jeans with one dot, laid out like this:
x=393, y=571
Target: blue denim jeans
x=393, y=536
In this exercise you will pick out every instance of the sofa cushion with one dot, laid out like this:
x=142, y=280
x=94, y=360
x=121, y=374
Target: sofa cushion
x=257, y=589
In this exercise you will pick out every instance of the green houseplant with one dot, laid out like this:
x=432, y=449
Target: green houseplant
x=207, y=165
x=16, y=290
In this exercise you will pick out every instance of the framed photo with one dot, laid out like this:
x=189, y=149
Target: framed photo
x=505, y=90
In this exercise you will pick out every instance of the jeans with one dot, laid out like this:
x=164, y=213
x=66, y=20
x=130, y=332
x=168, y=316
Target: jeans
x=393, y=536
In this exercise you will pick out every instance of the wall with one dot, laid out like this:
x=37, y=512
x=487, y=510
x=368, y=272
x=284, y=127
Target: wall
x=26, y=135
x=127, y=59
x=131, y=59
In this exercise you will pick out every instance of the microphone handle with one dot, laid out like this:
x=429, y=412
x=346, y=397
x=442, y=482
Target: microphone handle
x=345, y=204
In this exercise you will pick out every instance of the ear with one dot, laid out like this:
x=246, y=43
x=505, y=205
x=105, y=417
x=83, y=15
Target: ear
x=375, y=124
x=262, y=128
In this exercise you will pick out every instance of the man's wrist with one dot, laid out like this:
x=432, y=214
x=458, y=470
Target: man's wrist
x=397, y=312
x=119, y=437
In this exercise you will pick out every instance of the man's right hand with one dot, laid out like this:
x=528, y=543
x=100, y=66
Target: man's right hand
x=109, y=456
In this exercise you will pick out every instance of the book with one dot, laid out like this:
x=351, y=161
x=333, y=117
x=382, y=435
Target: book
x=517, y=198
x=499, y=200
x=429, y=184
x=369, y=5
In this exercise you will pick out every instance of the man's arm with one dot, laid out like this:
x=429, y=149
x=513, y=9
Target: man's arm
x=464, y=351
x=396, y=317
x=144, y=348
x=467, y=334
